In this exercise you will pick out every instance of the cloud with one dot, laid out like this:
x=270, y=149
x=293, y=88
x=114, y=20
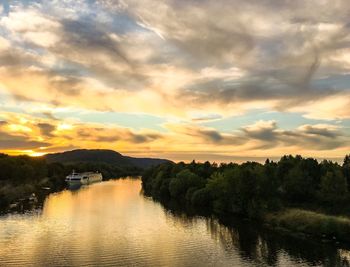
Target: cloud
x=316, y=137
x=88, y=36
x=289, y=50
x=264, y=135
x=214, y=61
x=205, y=117
x=46, y=134
x=184, y=61
x=32, y=26
x=46, y=129
x=262, y=138
x=325, y=130
x=333, y=107
x=262, y=130
x=4, y=44
x=204, y=32
x=202, y=134
x=115, y=134
x=17, y=140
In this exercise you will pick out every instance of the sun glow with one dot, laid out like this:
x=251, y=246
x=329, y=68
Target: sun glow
x=31, y=153
x=64, y=127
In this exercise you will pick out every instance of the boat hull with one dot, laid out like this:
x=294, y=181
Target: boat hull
x=83, y=178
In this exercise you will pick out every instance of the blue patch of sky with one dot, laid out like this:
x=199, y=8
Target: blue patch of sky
x=5, y=98
x=135, y=121
x=119, y=22
x=339, y=81
x=128, y=120
x=124, y=23
x=5, y=6
x=346, y=125
x=285, y=120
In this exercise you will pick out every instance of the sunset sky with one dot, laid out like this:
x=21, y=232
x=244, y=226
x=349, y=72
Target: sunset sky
x=182, y=79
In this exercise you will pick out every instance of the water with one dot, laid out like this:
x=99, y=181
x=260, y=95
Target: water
x=113, y=224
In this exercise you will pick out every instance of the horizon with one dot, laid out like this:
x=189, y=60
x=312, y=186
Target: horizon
x=203, y=158
x=189, y=81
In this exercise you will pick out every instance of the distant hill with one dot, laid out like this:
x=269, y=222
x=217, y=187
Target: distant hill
x=102, y=156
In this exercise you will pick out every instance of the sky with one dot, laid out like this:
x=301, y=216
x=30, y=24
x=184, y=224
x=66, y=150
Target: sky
x=223, y=80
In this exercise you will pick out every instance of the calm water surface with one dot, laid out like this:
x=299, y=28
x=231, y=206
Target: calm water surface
x=113, y=224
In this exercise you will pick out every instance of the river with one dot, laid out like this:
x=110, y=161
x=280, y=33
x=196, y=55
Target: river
x=113, y=224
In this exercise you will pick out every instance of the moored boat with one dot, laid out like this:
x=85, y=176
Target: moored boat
x=83, y=178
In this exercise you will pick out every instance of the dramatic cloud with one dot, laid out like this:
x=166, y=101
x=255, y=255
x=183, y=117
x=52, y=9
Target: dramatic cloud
x=32, y=26
x=17, y=140
x=193, y=65
x=115, y=134
x=12, y=142
x=316, y=137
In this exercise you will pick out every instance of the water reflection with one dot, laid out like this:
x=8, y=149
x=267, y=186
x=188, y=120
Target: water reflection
x=74, y=187
x=262, y=246
x=112, y=224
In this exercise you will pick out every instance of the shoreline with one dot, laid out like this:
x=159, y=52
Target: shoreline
x=295, y=193
x=34, y=197
x=27, y=200
x=310, y=223
x=275, y=221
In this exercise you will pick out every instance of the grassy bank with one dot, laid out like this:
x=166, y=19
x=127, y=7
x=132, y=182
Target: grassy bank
x=311, y=223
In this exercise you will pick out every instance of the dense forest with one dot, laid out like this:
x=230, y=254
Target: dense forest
x=307, y=188
x=21, y=176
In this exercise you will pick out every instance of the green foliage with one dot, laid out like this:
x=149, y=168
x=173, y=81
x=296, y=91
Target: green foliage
x=313, y=223
x=333, y=187
x=297, y=184
x=253, y=189
x=346, y=169
x=184, y=180
x=201, y=197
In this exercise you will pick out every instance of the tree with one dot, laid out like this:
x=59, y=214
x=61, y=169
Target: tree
x=185, y=179
x=333, y=187
x=298, y=185
x=346, y=169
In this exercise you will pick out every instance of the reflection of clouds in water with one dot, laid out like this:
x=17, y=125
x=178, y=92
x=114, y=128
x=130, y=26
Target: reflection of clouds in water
x=256, y=246
x=110, y=223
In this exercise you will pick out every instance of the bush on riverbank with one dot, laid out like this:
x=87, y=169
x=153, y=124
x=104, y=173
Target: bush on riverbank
x=313, y=223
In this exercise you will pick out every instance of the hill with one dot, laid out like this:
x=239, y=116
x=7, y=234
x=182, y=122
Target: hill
x=104, y=156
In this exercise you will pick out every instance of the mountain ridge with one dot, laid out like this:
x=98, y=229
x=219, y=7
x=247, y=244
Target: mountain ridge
x=106, y=156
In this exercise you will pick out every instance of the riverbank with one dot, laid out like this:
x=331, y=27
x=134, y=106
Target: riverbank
x=25, y=181
x=298, y=223
x=263, y=192
x=310, y=223
x=26, y=196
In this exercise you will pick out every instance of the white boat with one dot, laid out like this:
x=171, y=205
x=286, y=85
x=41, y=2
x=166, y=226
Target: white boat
x=83, y=178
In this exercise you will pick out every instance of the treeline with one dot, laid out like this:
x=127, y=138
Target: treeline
x=22, y=175
x=253, y=189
